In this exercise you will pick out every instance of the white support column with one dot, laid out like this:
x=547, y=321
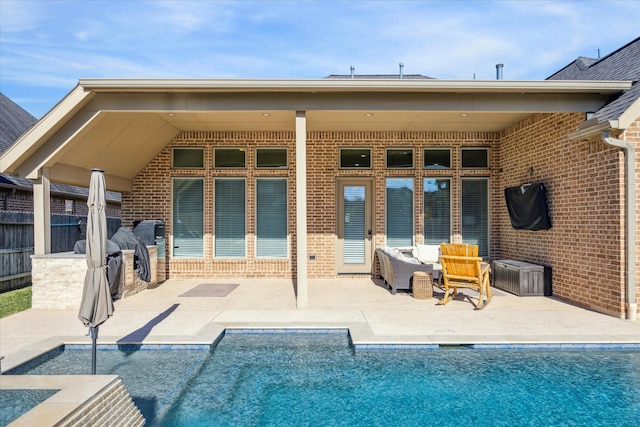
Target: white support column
x=302, y=298
x=42, y=213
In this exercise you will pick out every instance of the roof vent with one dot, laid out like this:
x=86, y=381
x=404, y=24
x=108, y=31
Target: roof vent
x=401, y=69
x=353, y=70
x=499, y=68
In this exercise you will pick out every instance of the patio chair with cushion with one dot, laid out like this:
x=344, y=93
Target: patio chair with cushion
x=463, y=268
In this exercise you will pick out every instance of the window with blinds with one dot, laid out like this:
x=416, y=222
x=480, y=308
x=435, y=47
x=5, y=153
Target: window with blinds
x=475, y=213
x=399, y=212
x=437, y=210
x=271, y=217
x=354, y=224
x=188, y=217
x=229, y=221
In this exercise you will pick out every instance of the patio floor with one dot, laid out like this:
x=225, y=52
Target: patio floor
x=179, y=311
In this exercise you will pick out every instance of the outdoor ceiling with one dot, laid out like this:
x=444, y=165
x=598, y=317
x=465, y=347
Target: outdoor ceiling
x=122, y=143
x=367, y=120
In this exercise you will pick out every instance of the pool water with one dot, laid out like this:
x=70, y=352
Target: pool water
x=318, y=380
x=14, y=403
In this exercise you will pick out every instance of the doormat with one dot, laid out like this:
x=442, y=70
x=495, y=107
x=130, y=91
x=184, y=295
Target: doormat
x=211, y=290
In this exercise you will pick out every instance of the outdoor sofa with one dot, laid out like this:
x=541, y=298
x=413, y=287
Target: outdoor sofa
x=397, y=265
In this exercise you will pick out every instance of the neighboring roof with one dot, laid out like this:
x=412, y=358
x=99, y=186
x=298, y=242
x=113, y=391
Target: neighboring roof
x=623, y=64
x=14, y=121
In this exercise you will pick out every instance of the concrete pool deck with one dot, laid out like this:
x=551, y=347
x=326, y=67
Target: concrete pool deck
x=165, y=315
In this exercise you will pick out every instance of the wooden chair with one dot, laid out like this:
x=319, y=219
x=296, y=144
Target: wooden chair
x=463, y=268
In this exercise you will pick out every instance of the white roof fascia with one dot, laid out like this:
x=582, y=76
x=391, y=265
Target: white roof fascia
x=351, y=85
x=593, y=130
x=630, y=115
x=30, y=140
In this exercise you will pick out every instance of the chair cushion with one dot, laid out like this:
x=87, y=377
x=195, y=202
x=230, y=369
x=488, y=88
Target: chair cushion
x=427, y=254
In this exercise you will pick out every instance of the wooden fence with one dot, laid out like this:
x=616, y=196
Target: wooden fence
x=16, y=243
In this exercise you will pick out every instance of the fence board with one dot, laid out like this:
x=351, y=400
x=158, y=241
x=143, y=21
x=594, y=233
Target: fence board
x=17, y=241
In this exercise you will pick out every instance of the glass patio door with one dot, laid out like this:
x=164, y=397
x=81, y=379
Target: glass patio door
x=355, y=229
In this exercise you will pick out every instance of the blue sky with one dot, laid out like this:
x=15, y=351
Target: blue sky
x=46, y=46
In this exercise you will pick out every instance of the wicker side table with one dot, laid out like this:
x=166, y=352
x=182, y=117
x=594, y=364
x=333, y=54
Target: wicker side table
x=422, y=285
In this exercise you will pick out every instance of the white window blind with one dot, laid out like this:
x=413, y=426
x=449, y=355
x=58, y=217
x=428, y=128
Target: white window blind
x=399, y=212
x=475, y=213
x=271, y=218
x=354, y=224
x=229, y=225
x=188, y=214
x=437, y=210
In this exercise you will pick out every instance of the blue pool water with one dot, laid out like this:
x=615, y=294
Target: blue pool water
x=14, y=403
x=318, y=380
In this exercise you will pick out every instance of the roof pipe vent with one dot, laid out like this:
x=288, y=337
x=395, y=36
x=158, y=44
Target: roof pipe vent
x=353, y=70
x=401, y=65
x=499, y=68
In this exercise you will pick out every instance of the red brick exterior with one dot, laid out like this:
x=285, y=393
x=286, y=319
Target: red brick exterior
x=584, y=180
x=22, y=201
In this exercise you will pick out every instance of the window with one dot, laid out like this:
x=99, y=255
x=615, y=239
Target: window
x=229, y=158
x=188, y=158
x=475, y=158
x=475, y=213
x=437, y=210
x=355, y=158
x=229, y=222
x=399, y=212
x=273, y=158
x=271, y=217
x=188, y=215
x=437, y=158
x=399, y=158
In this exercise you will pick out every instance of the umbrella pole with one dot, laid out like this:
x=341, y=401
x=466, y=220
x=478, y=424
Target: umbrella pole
x=94, y=344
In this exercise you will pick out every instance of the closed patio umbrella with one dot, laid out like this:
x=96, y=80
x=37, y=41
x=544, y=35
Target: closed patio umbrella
x=96, y=305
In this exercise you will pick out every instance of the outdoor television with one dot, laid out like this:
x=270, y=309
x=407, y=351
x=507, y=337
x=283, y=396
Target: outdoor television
x=527, y=206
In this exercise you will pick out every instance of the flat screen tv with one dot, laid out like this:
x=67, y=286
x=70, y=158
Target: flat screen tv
x=527, y=206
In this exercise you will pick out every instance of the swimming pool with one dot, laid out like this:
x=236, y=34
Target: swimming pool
x=14, y=403
x=318, y=379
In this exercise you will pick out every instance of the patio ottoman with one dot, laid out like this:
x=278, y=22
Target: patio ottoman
x=422, y=285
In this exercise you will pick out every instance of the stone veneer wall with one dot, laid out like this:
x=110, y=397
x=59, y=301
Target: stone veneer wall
x=58, y=279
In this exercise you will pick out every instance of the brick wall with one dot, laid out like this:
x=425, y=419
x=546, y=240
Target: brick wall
x=583, y=180
x=632, y=134
x=151, y=195
x=22, y=201
x=585, y=198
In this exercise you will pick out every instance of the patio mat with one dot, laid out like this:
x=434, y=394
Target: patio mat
x=211, y=290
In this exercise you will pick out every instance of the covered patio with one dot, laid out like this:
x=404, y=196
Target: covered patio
x=131, y=129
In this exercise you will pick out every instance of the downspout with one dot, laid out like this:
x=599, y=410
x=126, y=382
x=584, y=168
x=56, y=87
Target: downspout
x=630, y=191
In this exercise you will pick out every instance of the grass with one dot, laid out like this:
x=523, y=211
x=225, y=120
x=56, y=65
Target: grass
x=15, y=301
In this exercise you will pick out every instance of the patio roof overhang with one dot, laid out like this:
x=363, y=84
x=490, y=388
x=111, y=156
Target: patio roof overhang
x=119, y=125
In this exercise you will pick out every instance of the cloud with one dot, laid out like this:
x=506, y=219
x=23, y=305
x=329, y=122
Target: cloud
x=54, y=43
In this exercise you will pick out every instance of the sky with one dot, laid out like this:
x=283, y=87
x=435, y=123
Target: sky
x=47, y=46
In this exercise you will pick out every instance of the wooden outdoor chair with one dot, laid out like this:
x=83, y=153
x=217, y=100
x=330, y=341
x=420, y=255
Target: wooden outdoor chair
x=463, y=268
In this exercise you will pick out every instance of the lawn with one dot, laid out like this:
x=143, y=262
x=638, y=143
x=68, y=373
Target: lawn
x=15, y=301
